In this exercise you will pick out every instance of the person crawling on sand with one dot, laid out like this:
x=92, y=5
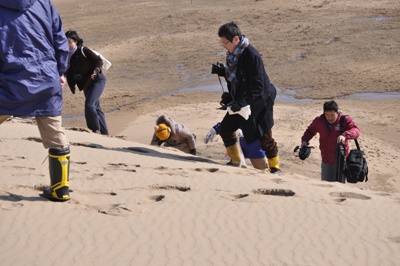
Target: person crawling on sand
x=170, y=133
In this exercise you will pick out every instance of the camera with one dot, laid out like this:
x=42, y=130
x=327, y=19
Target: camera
x=304, y=152
x=218, y=69
x=77, y=76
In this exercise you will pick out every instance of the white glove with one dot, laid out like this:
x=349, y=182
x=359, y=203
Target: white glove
x=245, y=112
x=239, y=133
x=210, y=136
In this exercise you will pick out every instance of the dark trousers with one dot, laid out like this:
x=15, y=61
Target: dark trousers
x=269, y=145
x=228, y=128
x=95, y=118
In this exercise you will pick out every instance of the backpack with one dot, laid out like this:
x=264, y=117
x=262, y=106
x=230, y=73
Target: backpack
x=106, y=64
x=356, y=167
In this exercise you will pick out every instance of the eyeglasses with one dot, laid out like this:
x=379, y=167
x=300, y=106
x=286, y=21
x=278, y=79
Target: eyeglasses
x=225, y=43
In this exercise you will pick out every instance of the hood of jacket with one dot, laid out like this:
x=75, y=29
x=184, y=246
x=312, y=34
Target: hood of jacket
x=20, y=5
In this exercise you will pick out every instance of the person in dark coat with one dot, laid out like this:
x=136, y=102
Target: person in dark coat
x=330, y=134
x=85, y=71
x=250, y=99
x=33, y=59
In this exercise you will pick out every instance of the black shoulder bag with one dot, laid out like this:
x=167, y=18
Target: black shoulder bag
x=356, y=167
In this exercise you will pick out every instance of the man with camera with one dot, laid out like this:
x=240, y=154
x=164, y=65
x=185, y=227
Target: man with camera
x=250, y=99
x=330, y=134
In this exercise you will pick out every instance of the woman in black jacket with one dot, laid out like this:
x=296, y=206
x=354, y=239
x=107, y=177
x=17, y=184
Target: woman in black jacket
x=85, y=71
x=249, y=89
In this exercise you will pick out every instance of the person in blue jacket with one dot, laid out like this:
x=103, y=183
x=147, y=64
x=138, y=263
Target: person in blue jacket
x=33, y=59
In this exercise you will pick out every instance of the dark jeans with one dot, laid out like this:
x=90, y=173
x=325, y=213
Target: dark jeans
x=95, y=118
x=231, y=123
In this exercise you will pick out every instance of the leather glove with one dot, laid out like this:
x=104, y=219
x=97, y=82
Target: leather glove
x=210, y=136
x=226, y=98
x=235, y=107
x=193, y=152
x=218, y=69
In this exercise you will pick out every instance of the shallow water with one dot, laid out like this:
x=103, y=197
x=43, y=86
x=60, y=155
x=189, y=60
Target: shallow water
x=373, y=96
x=289, y=96
x=284, y=96
x=373, y=19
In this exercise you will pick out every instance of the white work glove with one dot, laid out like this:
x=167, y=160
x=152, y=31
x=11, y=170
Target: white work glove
x=210, y=136
x=239, y=133
x=245, y=112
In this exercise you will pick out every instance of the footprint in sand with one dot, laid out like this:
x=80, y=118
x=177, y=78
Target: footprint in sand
x=10, y=206
x=240, y=196
x=95, y=176
x=34, y=139
x=157, y=198
x=82, y=163
x=79, y=129
x=322, y=185
x=235, y=196
x=274, y=192
x=349, y=195
x=151, y=199
x=277, y=180
x=111, y=209
x=20, y=167
x=171, y=187
x=121, y=166
x=211, y=170
x=89, y=145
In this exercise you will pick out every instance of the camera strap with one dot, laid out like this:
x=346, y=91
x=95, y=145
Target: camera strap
x=222, y=87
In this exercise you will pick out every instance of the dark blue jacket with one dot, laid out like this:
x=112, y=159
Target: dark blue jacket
x=33, y=56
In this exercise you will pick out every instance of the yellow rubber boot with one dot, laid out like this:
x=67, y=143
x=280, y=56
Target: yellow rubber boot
x=274, y=164
x=59, y=175
x=234, y=153
x=259, y=163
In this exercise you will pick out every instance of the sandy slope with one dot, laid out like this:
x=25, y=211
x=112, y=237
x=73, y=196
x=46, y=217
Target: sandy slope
x=134, y=204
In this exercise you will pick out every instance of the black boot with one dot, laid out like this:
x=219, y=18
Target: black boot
x=59, y=175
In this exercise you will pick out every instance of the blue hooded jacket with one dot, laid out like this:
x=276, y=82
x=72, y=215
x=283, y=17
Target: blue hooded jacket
x=33, y=56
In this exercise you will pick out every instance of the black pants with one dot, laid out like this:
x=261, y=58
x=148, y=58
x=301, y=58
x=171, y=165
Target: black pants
x=231, y=123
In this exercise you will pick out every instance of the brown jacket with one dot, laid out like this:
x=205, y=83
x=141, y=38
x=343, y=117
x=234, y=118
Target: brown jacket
x=181, y=138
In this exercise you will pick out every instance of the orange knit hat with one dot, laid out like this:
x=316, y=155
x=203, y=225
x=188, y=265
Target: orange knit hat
x=162, y=131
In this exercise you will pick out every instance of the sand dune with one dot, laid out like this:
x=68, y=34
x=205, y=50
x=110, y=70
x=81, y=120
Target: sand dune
x=136, y=204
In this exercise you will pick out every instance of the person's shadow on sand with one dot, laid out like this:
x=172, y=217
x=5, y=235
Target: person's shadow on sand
x=7, y=196
x=148, y=152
